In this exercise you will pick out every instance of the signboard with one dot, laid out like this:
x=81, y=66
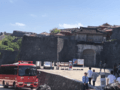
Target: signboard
x=80, y=61
x=74, y=61
x=64, y=64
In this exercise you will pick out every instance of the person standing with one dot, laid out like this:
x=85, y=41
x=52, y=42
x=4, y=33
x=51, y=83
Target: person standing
x=94, y=77
x=85, y=81
x=118, y=80
x=90, y=75
x=111, y=78
x=70, y=65
x=115, y=69
x=100, y=65
x=104, y=66
x=118, y=69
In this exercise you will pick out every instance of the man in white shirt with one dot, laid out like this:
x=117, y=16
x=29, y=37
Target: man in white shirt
x=90, y=75
x=118, y=80
x=111, y=78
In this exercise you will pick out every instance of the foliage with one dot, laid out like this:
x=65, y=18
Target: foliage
x=19, y=41
x=55, y=30
x=111, y=40
x=0, y=41
x=9, y=43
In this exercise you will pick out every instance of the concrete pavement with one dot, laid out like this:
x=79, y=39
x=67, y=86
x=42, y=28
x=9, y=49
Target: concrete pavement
x=76, y=74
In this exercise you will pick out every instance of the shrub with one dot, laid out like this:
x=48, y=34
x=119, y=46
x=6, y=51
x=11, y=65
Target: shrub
x=8, y=44
x=9, y=49
x=55, y=30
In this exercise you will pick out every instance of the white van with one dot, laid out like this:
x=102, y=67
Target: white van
x=48, y=65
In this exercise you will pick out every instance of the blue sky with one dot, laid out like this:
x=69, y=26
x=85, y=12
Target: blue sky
x=43, y=15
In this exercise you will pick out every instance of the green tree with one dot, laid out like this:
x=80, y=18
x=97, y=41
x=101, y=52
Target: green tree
x=10, y=43
x=19, y=41
x=55, y=30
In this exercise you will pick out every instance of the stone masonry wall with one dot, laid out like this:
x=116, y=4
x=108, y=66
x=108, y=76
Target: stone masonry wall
x=8, y=57
x=57, y=82
x=66, y=49
x=111, y=50
x=47, y=49
x=116, y=34
x=111, y=53
x=38, y=49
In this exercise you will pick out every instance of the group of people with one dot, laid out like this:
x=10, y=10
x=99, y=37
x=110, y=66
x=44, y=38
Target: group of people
x=116, y=68
x=91, y=76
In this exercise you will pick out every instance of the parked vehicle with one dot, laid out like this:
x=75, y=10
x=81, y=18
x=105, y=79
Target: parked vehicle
x=38, y=64
x=19, y=75
x=48, y=65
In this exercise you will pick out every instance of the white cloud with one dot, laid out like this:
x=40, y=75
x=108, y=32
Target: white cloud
x=70, y=25
x=33, y=15
x=18, y=24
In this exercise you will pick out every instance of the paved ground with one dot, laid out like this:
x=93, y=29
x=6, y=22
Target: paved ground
x=76, y=74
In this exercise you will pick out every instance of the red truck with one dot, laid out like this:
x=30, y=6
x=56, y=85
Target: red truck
x=19, y=75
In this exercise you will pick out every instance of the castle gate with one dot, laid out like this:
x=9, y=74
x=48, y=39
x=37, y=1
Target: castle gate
x=89, y=57
x=88, y=53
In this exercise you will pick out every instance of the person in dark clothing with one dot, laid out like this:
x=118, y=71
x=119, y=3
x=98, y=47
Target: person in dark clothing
x=118, y=69
x=94, y=77
x=104, y=66
x=100, y=64
x=115, y=69
x=85, y=81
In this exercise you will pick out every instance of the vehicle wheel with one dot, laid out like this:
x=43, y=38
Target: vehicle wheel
x=5, y=86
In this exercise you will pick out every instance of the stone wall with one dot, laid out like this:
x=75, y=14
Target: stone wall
x=20, y=33
x=48, y=49
x=89, y=38
x=66, y=49
x=111, y=49
x=38, y=49
x=81, y=37
x=116, y=34
x=8, y=57
x=57, y=82
x=111, y=53
x=51, y=48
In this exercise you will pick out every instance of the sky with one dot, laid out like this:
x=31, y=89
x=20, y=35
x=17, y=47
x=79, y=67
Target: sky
x=43, y=15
